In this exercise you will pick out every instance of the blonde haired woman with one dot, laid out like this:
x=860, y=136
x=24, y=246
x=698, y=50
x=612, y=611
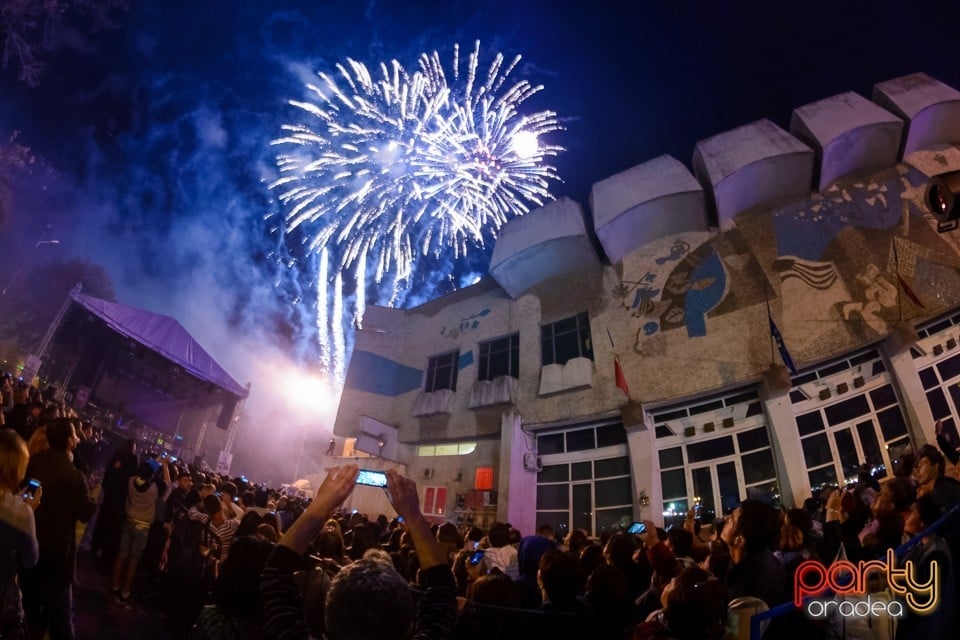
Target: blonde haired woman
x=18, y=533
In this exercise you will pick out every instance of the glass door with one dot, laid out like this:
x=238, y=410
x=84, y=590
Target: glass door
x=717, y=487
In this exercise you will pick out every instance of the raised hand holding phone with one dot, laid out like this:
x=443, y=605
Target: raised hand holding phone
x=32, y=494
x=336, y=487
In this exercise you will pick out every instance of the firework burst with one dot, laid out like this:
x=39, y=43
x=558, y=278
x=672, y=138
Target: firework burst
x=391, y=166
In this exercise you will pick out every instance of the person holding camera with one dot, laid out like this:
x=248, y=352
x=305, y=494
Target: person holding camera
x=143, y=491
x=48, y=587
x=18, y=532
x=368, y=599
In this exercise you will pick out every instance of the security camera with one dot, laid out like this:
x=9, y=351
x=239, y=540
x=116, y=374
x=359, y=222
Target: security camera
x=941, y=199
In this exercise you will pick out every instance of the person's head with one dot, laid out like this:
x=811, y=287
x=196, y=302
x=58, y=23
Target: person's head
x=576, y=540
x=752, y=527
x=365, y=536
x=13, y=460
x=496, y=589
x=896, y=494
x=448, y=535
x=212, y=506
x=930, y=464
x=61, y=435
x=618, y=551
x=695, y=605
x=680, y=542
x=924, y=512
x=228, y=491
x=247, y=499
x=560, y=577
x=904, y=464
x=796, y=523
x=185, y=480
x=474, y=535
x=207, y=490
x=237, y=590
x=330, y=544
x=369, y=600
x=499, y=534
x=591, y=557
x=531, y=550
x=146, y=471
x=268, y=532
x=546, y=531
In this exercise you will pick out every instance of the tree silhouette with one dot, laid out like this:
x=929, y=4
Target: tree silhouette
x=31, y=29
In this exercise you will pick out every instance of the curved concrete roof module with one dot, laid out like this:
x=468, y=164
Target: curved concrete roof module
x=851, y=133
x=751, y=165
x=544, y=243
x=647, y=202
x=931, y=109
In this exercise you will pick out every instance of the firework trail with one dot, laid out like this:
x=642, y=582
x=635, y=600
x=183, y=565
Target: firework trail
x=391, y=166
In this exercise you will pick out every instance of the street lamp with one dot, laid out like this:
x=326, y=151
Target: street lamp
x=16, y=273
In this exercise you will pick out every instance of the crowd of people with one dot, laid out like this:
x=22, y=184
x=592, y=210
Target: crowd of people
x=239, y=560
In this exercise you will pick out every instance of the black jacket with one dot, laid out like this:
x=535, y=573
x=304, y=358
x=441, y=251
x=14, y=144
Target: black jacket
x=65, y=500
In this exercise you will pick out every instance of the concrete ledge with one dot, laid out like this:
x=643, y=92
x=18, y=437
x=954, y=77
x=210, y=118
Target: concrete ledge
x=577, y=373
x=652, y=200
x=500, y=390
x=930, y=108
x=546, y=242
x=430, y=403
x=752, y=165
x=849, y=134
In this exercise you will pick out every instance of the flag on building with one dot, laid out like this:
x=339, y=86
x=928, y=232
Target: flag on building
x=778, y=338
x=621, y=380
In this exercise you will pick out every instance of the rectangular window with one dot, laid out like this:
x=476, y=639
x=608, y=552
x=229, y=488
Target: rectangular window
x=566, y=339
x=434, y=501
x=442, y=372
x=500, y=357
x=710, y=449
x=483, y=479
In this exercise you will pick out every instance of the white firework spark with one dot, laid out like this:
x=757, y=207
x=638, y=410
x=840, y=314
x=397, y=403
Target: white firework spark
x=393, y=166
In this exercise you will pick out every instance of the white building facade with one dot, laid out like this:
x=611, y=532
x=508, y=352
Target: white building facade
x=502, y=400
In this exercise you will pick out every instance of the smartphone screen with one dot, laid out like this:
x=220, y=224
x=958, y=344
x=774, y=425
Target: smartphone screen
x=637, y=528
x=372, y=478
x=476, y=557
x=31, y=488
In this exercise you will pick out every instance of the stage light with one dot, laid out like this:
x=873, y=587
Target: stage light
x=941, y=200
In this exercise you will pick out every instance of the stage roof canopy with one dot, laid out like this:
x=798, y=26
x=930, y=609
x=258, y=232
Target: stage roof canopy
x=163, y=335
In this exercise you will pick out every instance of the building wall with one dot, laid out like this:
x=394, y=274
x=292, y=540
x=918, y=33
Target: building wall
x=689, y=316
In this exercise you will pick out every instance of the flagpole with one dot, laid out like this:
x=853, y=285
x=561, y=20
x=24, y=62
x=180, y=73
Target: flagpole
x=766, y=298
x=620, y=380
x=896, y=266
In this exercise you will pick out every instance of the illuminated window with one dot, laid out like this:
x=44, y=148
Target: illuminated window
x=442, y=372
x=566, y=339
x=461, y=449
x=483, y=479
x=500, y=357
x=447, y=449
x=434, y=501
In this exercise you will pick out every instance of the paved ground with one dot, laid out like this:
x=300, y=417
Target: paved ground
x=99, y=617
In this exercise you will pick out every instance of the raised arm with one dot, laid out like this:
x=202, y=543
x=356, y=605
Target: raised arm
x=438, y=608
x=403, y=495
x=282, y=603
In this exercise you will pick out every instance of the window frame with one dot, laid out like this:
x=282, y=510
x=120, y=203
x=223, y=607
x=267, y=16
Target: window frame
x=484, y=350
x=435, y=364
x=582, y=330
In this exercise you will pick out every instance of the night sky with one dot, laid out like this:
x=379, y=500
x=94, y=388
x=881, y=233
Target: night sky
x=155, y=135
